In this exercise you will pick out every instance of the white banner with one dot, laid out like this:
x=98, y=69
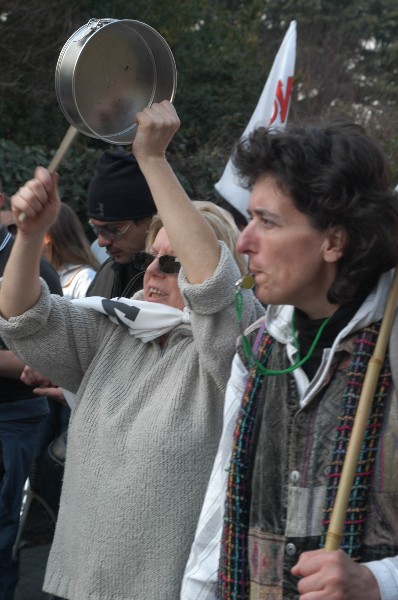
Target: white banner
x=272, y=110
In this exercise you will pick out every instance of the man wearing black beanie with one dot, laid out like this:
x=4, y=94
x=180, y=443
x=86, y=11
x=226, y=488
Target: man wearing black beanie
x=120, y=208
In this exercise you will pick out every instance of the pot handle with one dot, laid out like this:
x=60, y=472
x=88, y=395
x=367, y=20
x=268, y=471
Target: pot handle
x=91, y=27
x=58, y=156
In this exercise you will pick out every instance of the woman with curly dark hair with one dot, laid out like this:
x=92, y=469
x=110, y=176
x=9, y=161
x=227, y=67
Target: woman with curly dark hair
x=322, y=243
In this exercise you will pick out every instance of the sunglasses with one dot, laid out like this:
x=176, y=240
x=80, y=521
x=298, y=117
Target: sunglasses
x=109, y=232
x=167, y=264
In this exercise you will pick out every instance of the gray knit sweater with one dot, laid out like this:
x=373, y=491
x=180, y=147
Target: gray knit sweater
x=142, y=437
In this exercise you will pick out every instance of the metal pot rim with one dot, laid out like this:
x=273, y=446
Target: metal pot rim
x=107, y=71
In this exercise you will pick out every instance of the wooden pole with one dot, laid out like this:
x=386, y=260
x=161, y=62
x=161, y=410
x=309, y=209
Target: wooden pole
x=63, y=148
x=336, y=525
x=58, y=156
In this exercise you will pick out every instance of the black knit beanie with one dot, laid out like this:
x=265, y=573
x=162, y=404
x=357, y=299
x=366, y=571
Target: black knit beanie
x=118, y=190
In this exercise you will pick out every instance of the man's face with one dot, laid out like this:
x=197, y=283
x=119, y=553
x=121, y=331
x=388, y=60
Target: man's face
x=122, y=239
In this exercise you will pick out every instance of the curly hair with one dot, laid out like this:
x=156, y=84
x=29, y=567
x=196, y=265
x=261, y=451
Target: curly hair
x=221, y=222
x=336, y=175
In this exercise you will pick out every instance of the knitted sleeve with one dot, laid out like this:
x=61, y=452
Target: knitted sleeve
x=214, y=320
x=56, y=338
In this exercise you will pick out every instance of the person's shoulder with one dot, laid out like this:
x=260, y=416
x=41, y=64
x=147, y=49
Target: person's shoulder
x=251, y=339
x=6, y=243
x=102, y=283
x=99, y=252
x=76, y=279
x=109, y=263
x=255, y=329
x=50, y=276
x=85, y=272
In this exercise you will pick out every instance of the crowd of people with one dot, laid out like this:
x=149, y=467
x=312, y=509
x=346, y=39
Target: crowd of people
x=212, y=409
x=23, y=422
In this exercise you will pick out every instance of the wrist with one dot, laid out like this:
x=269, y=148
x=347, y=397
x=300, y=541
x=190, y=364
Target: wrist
x=30, y=238
x=370, y=584
x=151, y=160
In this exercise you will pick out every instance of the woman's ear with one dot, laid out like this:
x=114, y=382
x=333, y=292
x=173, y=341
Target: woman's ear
x=335, y=244
x=47, y=248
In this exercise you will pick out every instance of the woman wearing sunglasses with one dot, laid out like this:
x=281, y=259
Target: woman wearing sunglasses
x=150, y=376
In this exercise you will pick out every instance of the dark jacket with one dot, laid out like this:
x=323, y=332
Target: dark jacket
x=12, y=390
x=114, y=280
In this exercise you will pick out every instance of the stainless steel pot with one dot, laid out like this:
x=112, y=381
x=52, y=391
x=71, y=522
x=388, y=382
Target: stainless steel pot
x=107, y=71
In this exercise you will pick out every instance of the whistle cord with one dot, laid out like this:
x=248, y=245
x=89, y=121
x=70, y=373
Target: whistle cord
x=251, y=359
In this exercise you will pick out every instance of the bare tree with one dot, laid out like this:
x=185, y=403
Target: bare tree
x=32, y=33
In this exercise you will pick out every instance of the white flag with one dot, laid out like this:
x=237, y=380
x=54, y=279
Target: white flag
x=272, y=110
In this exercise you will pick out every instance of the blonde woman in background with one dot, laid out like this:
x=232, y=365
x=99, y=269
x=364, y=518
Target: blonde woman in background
x=220, y=220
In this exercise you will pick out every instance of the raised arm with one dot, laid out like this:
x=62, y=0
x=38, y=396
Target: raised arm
x=193, y=240
x=39, y=200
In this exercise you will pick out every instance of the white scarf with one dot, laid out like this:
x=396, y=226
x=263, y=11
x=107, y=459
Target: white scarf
x=145, y=320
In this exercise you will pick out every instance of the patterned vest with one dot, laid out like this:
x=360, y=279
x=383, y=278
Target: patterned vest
x=285, y=470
